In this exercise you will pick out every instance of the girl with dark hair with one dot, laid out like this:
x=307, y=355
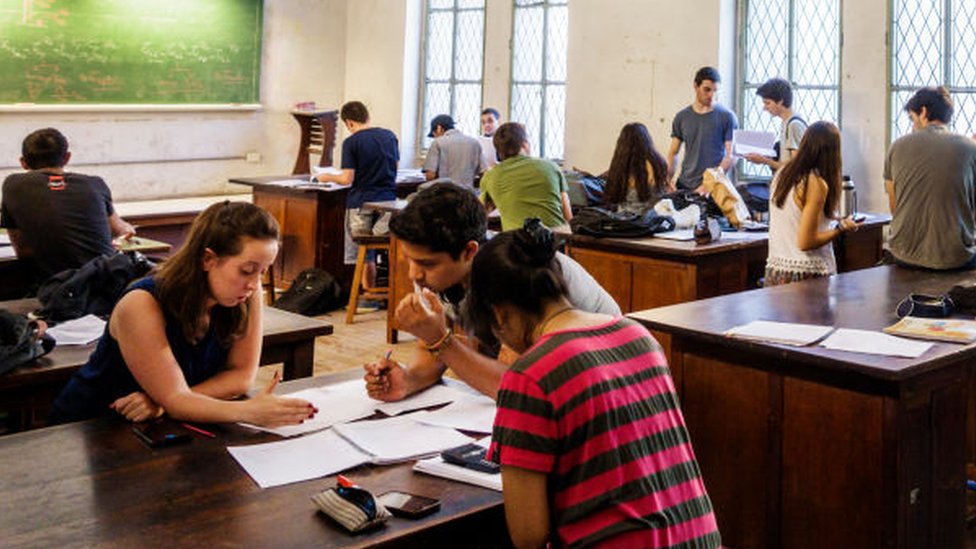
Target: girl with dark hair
x=187, y=339
x=638, y=174
x=590, y=396
x=803, y=205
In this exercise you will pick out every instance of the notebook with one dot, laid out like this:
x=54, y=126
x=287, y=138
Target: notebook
x=953, y=330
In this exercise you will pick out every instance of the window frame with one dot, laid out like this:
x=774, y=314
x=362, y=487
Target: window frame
x=544, y=81
x=422, y=115
x=946, y=74
x=746, y=91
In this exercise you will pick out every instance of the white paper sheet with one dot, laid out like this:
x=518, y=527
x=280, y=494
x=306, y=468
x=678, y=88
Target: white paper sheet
x=874, y=343
x=303, y=458
x=473, y=413
x=682, y=234
x=304, y=184
x=80, y=331
x=787, y=333
x=4, y=238
x=437, y=394
x=398, y=439
x=7, y=252
x=439, y=468
x=338, y=403
x=746, y=142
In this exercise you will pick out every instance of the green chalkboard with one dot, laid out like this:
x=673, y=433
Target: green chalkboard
x=130, y=51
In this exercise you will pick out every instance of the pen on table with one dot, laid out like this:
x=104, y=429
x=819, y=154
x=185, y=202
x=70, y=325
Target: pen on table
x=274, y=382
x=198, y=430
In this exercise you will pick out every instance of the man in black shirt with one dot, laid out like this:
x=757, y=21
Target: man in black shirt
x=57, y=219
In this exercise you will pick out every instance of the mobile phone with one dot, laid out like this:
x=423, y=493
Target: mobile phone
x=161, y=433
x=471, y=456
x=859, y=218
x=406, y=505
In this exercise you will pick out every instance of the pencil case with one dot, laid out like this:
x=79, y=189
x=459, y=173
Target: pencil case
x=352, y=507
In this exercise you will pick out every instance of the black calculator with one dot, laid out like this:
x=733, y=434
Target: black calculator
x=471, y=456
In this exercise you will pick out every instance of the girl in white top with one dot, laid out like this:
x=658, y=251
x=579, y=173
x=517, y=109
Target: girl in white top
x=802, y=206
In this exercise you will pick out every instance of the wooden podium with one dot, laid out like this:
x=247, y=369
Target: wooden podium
x=318, y=137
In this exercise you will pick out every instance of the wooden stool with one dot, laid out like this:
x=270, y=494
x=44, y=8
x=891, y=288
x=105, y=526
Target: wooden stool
x=366, y=243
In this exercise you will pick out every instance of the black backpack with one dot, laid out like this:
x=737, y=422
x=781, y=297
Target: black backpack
x=313, y=292
x=93, y=288
x=595, y=221
x=19, y=343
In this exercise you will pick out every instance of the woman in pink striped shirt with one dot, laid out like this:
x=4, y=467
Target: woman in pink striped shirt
x=589, y=433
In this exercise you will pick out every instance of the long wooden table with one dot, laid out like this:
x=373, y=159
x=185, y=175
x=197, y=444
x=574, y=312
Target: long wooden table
x=288, y=339
x=16, y=276
x=312, y=224
x=95, y=484
x=809, y=447
x=643, y=273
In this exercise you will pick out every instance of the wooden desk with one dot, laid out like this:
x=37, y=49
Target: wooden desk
x=17, y=278
x=169, y=219
x=808, y=447
x=93, y=483
x=312, y=225
x=644, y=273
x=288, y=338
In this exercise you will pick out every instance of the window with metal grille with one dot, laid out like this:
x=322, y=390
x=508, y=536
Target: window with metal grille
x=798, y=40
x=931, y=45
x=538, y=95
x=454, y=51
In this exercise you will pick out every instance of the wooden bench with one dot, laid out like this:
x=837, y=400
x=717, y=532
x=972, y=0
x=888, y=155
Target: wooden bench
x=169, y=219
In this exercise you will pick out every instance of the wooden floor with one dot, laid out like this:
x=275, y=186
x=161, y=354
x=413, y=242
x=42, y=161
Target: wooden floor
x=352, y=345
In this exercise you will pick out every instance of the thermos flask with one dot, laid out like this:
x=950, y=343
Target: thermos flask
x=848, y=198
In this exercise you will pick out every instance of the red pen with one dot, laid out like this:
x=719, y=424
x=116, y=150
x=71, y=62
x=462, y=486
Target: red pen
x=198, y=430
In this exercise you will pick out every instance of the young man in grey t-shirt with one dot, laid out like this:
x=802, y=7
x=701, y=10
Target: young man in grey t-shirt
x=705, y=129
x=930, y=178
x=777, y=98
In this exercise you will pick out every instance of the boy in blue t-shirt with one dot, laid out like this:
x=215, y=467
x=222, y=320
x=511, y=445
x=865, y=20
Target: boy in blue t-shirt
x=369, y=165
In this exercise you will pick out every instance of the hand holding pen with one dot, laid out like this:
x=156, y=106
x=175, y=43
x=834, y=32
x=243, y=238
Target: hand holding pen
x=386, y=380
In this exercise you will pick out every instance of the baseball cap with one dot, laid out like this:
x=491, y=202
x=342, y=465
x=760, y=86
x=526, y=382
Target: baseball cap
x=443, y=120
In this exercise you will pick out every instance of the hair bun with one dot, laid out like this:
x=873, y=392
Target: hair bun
x=536, y=241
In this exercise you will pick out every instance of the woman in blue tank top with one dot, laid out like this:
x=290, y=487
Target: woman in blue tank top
x=187, y=339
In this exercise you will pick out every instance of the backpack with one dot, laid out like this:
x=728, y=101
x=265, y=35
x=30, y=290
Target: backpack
x=93, y=288
x=313, y=292
x=600, y=222
x=756, y=195
x=777, y=145
x=19, y=342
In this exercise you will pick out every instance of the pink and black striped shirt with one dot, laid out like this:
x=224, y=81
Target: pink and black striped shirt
x=596, y=410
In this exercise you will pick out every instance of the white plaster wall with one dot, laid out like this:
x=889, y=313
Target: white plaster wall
x=154, y=155
x=496, y=91
x=864, y=99
x=375, y=67
x=633, y=61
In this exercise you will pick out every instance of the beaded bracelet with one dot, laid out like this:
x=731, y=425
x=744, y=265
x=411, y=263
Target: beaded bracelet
x=441, y=343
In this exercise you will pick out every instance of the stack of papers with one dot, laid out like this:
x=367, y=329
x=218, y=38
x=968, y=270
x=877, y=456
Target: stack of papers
x=787, y=333
x=874, y=343
x=437, y=467
x=342, y=447
x=399, y=439
x=682, y=234
x=80, y=331
x=475, y=414
x=348, y=401
x=747, y=142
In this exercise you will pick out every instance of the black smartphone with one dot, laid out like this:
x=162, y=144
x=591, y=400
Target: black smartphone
x=471, y=456
x=406, y=505
x=161, y=433
x=859, y=218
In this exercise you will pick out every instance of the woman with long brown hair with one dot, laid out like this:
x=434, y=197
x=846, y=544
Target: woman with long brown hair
x=638, y=174
x=187, y=339
x=802, y=209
